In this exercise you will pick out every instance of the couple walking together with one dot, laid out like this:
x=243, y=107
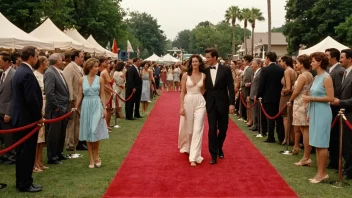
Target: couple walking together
x=216, y=84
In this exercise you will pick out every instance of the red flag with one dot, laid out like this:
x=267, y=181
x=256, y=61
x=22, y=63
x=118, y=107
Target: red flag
x=114, y=47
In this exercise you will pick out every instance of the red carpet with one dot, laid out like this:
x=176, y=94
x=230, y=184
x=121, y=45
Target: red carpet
x=155, y=168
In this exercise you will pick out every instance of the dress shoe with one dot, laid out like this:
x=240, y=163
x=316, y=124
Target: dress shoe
x=32, y=188
x=269, y=141
x=213, y=161
x=54, y=162
x=2, y=186
x=70, y=148
x=138, y=116
x=9, y=162
x=221, y=155
x=130, y=119
x=62, y=157
x=82, y=147
x=253, y=129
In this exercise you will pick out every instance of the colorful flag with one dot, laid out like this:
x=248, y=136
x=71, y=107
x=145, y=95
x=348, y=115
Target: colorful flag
x=114, y=47
x=129, y=47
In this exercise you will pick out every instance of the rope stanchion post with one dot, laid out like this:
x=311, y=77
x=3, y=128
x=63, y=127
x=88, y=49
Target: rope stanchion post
x=240, y=104
x=287, y=130
x=260, y=135
x=74, y=155
x=248, y=109
x=339, y=183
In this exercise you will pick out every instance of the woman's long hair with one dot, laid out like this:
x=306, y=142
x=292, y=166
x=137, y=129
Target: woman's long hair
x=189, y=64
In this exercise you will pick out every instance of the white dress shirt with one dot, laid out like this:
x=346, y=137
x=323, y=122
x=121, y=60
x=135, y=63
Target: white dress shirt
x=61, y=75
x=2, y=79
x=213, y=73
x=255, y=73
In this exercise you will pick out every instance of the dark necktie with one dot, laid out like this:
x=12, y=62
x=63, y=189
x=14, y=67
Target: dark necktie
x=2, y=78
x=212, y=67
x=344, y=76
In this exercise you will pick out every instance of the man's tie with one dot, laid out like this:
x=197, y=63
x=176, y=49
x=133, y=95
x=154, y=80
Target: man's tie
x=344, y=76
x=212, y=67
x=2, y=78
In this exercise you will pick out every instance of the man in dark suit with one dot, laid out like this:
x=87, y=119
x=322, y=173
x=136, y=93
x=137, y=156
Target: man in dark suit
x=57, y=103
x=345, y=101
x=157, y=76
x=133, y=85
x=220, y=101
x=257, y=67
x=336, y=73
x=5, y=107
x=247, y=78
x=269, y=90
x=27, y=103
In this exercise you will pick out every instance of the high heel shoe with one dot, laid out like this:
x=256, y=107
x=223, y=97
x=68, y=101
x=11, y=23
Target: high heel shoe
x=91, y=166
x=193, y=164
x=304, y=162
x=98, y=163
x=315, y=181
x=283, y=143
x=295, y=151
x=37, y=170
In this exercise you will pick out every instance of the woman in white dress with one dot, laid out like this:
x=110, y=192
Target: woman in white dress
x=40, y=68
x=170, y=78
x=192, y=110
x=119, y=86
x=176, y=74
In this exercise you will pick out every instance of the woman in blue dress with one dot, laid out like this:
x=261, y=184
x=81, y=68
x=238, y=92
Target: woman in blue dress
x=93, y=126
x=319, y=113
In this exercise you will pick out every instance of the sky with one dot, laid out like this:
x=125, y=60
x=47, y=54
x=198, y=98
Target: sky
x=176, y=15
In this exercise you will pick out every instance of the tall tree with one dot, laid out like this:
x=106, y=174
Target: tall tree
x=182, y=40
x=256, y=15
x=269, y=24
x=245, y=16
x=231, y=15
x=204, y=24
x=344, y=31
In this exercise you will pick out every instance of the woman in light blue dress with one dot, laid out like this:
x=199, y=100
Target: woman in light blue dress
x=146, y=75
x=93, y=126
x=319, y=113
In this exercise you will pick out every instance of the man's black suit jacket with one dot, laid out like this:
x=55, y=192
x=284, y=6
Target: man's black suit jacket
x=133, y=80
x=27, y=100
x=221, y=94
x=269, y=88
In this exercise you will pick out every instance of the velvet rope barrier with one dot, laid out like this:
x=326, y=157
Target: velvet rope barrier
x=35, y=130
x=113, y=92
x=349, y=125
x=244, y=103
x=268, y=116
x=335, y=121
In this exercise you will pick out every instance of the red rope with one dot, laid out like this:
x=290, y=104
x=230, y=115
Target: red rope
x=335, y=121
x=244, y=103
x=35, y=130
x=349, y=125
x=18, y=129
x=124, y=100
x=59, y=118
x=268, y=116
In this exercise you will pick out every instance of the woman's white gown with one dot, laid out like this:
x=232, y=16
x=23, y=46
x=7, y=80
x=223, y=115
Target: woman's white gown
x=192, y=124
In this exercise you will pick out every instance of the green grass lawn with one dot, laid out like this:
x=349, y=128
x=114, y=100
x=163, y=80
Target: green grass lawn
x=296, y=177
x=73, y=178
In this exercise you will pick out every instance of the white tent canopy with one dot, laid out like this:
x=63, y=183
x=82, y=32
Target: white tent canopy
x=169, y=58
x=88, y=47
x=12, y=37
x=153, y=57
x=47, y=31
x=328, y=42
x=91, y=40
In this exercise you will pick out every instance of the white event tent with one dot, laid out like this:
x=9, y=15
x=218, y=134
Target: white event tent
x=88, y=47
x=47, y=31
x=153, y=57
x=91, y=40
x=328, y=42
x=12, y=37
x=169, y=58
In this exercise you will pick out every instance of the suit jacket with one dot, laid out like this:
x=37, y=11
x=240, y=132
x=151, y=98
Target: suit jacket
x=56, y=92
x=346, y=96
x=27, y=100
x=255, y=84
x=247, y=77
x=337, y=75
x=270, y=86
x=133, y=79
x=6, y=93
x=72, y=75
x=222, y=94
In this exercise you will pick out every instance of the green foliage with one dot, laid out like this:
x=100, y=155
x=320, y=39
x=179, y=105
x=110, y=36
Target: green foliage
x=278, y=29
x=310, y=21
x=344, y=31
x=231, y=15
x=182, y=40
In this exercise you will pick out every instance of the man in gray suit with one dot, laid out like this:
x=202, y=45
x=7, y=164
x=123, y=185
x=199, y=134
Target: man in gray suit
x=345, y=101
x=336, y=73
x=57, y=104
x=256, y=66
x=5, y=107
x=247, y=79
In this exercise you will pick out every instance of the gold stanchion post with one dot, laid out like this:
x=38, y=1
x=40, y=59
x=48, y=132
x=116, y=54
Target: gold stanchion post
x=339, y=183
x=287, y=130
x=240, y=105
x=260, y=135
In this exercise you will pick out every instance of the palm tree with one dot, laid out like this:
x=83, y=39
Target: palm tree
x=256, y=14
x=245, y=16
x=232, y=14
x=269, y=25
